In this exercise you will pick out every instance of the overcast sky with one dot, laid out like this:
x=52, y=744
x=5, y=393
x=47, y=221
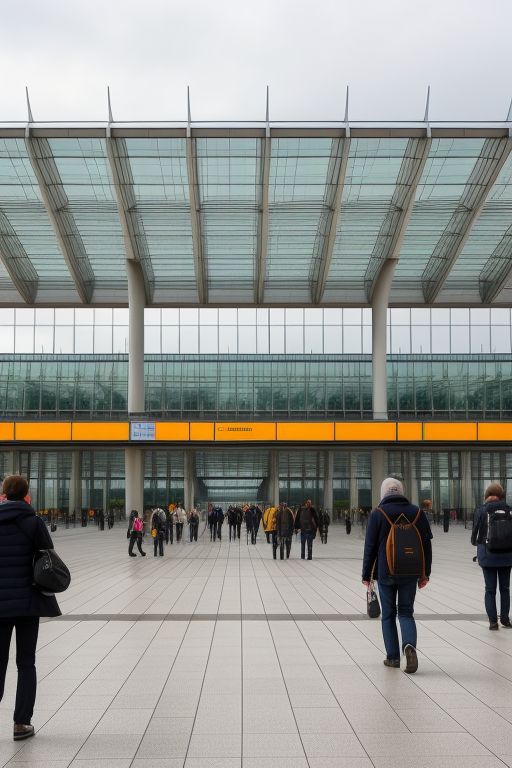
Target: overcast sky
x=148, y=51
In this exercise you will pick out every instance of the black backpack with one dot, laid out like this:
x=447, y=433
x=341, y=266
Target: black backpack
x=404, y=546
x=499, y=531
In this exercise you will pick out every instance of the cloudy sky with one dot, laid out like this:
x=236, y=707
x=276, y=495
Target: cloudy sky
x=67, y=51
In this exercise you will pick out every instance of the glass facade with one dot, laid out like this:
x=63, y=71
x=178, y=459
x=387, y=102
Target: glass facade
x=253, y=387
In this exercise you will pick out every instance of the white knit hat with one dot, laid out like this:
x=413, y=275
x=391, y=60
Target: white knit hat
x=391, y=487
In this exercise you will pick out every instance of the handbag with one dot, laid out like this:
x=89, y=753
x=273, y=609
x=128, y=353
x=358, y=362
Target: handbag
x=51, y=574
x=372, y=601
x=154, y=532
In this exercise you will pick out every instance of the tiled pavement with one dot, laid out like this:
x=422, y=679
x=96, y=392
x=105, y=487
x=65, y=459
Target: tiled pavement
x=216, y=656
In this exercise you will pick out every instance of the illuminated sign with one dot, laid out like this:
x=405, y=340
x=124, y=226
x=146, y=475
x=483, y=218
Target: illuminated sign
x=142, y=430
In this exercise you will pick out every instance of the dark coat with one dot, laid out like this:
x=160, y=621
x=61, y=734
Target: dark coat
x=284, y=523
x=488, y=559
x=377, y=535
x=22, y=533
x=306, y=520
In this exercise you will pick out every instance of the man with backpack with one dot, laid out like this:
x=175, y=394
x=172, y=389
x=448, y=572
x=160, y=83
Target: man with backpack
x=284, y=529
x=398, y=550
x=492, y=535
x=324, y=521
x=158, y=529
x=307, y=523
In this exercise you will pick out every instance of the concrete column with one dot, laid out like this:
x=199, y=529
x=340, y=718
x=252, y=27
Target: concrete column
x=378, y=473
x=411, y=481
x=75, y=483
x=274, y=478
x=136, y=302
x=354, y=496
x=328, y=481
x=188, y=480
x=380, y=299
x=133, y=459
x=467, y=500
x=134, y=466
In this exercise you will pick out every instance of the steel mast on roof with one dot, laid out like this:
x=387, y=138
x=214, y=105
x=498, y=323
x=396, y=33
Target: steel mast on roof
x=195, y=211
x=126, y=204
x=262, y=248
x=57, y=206
x=329, y=239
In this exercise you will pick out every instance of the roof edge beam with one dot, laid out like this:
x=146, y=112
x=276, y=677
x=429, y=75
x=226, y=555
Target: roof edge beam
x=442, y=269
x=79, y=266
x=393, y=246
x=130, y=243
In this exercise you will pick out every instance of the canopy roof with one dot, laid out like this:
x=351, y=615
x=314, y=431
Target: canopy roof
x=270, y=214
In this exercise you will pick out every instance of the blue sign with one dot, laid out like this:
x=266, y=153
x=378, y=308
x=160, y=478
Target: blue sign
x=142, y=430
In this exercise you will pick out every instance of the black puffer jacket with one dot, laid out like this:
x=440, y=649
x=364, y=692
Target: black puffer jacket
x=21, y=534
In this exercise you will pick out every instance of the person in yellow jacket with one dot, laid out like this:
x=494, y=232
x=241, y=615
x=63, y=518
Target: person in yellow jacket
x=270, y=527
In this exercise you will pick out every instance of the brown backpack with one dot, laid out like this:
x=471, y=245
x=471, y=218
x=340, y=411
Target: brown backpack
x=404, y=547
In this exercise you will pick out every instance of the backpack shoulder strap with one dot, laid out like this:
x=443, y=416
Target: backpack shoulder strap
x=418, y=513
x=386, y=516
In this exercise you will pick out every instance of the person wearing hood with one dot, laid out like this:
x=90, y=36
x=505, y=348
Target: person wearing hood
x=397, y=592
x=22, y=534
x=496, y=566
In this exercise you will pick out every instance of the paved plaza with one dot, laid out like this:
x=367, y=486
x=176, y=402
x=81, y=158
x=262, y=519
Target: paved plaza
x=216, y=656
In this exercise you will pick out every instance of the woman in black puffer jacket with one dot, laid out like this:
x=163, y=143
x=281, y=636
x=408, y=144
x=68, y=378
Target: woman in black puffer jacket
x=22, y=533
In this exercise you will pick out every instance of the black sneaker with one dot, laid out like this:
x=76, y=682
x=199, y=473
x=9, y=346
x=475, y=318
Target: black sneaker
x=132, y=554
x=21, y=732
x=506, y=623
x=411, y=658
x=392, y=663
x=494, y=625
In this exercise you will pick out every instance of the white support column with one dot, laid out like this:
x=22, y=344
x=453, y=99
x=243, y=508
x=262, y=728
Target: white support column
x=467, y=500
x=134, y=458
x=354, y=496
x=133, y=461
x=274, y=478
x=378, y=473
x=328, y=481
x=75, y=483
x=188, y=480
x=411, y=481
x=380, y=300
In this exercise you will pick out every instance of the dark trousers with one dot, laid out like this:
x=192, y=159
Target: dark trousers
x=492, y=577
x=193, y=531
x=212, y=530
x=306, y=537
x=267, y=535
x=323, y=535
x=179, y=531
x=285, y=542
x=273, y=535
x=219, y=531
x=398, y=599
x=158, y=544
x=254, y=534
x=232, y=531
x=27, y=629
x=238, y=526
x=135, y=537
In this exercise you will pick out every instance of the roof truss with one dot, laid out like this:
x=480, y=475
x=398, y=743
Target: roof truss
x=195, y=215
x=492, y=159
x=57, y=206
x=15, y=260
x=498, y=269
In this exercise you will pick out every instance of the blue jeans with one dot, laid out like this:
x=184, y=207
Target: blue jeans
x=491, y=577
x=306, y=537
x=403, y=594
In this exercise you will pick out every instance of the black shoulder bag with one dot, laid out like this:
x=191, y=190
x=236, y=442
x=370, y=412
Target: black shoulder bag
x=50, y=573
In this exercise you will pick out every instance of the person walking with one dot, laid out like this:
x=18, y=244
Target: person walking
x=493, y=521
x=252, y=521
x=22, y=534
x=324, y=522
x=239, y=516
x=268, y=515
x=179, y=520
x=218, y=519
x=193, y=522
x=136, y=529
x=231, y=515
x=211, y=520
x=158, y=527
x=272, y=529
x=307, y=523
x=284, y=529
x=397, y=591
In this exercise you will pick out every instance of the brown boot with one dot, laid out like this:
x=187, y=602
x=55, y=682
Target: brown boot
x=22, y=732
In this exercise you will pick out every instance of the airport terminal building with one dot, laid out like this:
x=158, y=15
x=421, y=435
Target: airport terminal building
x=239, y=312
